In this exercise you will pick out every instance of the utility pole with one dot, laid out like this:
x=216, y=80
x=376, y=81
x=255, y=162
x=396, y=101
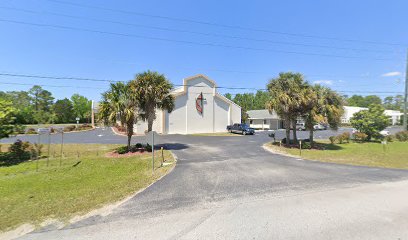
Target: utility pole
x=93, y=114
x=406, y=96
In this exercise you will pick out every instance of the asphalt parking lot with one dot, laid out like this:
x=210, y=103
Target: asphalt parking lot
x=223, y=185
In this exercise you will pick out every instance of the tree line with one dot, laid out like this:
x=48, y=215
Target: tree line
x=256, y=101
x=37, y=106
x=389, y=102
x=249, y=101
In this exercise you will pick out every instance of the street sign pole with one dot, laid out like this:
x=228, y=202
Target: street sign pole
x=49, y=145
x=38, y=152
x=77, y=122
x=150, y=136
x=406, y=96
x=62, y=145
x=152, y=152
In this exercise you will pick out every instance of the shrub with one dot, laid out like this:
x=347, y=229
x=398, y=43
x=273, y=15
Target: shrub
x=402, y=136
x=346, y=136
x=284, y=141
x=31, y=131
x=332, y=139
x=18, y=152
x=36, y=149
x=359, y=136
x=19, y=129
x=148, y=148
x=69, y=128
x=122, y=150
x=306, y=145
x=84, y=127
x=389, y=138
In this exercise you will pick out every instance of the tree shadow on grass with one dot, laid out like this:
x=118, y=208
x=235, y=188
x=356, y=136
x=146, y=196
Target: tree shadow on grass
x=329, y=146
x=11, y=163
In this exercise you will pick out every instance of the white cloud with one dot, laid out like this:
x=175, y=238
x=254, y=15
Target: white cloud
x=325, y=82
x=391, y=74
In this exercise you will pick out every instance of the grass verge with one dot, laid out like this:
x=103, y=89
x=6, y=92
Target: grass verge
x=394, y=155
x=86, y=180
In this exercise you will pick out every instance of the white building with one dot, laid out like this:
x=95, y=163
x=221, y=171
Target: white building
x=349, y=112
x=395, y=116
x=262, y=119
x=199, y=108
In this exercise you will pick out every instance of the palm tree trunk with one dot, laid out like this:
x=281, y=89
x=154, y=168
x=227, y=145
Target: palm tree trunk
x=295, y=140
x=287, y=128
x=150, y=118
x=129, y=131
x=311, y=137
x=149, y=125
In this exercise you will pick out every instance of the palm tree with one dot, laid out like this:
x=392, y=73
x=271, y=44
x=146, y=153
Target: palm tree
x=323, y=106
x=287, y=96
x=119, y=104
x=152, y=91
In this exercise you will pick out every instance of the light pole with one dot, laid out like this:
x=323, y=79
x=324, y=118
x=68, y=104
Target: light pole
x=406, y=96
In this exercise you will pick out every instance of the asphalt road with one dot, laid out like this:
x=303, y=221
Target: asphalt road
x=231, y=188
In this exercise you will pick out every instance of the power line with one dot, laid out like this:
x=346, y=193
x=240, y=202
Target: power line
x=177, y=85
x=57, y=78
x=195, y=32
x=46, y=85
x=221, y=25
x=188, y=42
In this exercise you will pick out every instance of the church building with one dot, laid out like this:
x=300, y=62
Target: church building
x=199, y=108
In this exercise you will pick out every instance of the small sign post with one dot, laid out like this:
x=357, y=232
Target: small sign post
x=77, y=122
x=41, y=131
x=384, y=143
x=150, y=138
x=300, y=147
x=61, y=130
x=49, y=145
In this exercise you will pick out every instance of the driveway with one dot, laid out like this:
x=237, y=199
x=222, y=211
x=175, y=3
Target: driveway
x=231, y=188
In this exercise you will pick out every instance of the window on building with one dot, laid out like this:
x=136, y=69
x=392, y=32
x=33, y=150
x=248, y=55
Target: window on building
x=250, y=121
x=264, y=121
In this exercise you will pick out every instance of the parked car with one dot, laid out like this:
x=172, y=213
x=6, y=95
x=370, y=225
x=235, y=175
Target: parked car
x=241, y=128
x=319, y=127
x=385, y=133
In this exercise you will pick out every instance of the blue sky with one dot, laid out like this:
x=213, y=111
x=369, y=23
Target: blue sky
x=264, y=38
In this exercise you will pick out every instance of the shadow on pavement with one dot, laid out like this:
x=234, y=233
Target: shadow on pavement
x=172, y=146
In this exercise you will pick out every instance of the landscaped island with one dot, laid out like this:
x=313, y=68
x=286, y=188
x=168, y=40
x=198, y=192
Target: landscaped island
x=392, y=155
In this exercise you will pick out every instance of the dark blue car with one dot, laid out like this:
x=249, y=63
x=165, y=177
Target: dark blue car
x=241, y=128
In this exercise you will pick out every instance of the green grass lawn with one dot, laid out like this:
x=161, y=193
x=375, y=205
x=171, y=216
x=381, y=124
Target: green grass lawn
x=219, y=134
x=365, y=154
x=81, y=184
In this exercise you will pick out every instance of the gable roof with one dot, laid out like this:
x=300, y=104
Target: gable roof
x=183, y=89
x=262, y=114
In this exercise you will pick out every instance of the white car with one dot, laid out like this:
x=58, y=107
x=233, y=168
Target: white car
x=385, y=133
x=319, y=127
